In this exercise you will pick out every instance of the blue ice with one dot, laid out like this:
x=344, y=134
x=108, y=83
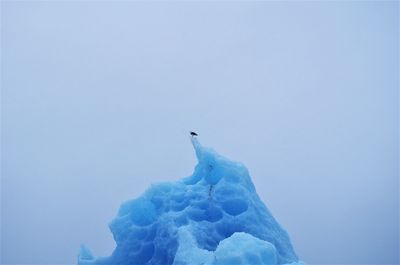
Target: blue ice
x=212, y=217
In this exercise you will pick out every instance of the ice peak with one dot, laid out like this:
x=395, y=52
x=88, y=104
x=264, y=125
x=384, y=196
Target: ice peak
x=217, y=207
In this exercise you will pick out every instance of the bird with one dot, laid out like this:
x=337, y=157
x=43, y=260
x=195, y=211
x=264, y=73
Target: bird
x=193, y=134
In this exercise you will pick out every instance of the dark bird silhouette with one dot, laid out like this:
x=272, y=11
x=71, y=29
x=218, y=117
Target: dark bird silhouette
x=193, y=134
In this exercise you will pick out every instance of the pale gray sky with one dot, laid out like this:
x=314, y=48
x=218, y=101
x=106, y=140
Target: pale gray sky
x=98, y=98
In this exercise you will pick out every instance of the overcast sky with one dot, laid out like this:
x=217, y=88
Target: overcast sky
x=98, y=98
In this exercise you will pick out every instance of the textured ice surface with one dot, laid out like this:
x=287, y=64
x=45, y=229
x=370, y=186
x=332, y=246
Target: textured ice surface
x=239, y=248
x=212, y=217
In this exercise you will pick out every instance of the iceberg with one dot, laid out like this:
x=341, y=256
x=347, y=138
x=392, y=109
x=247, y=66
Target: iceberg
x=212, y=217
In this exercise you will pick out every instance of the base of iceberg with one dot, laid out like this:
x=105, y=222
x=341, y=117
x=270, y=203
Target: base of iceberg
x=239, y=248
x=212, y=217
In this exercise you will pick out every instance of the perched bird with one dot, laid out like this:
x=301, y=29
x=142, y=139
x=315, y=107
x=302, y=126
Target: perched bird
x=193, y=134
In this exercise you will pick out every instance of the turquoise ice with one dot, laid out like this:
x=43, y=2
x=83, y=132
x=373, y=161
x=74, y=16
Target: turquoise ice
x=212, y=217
